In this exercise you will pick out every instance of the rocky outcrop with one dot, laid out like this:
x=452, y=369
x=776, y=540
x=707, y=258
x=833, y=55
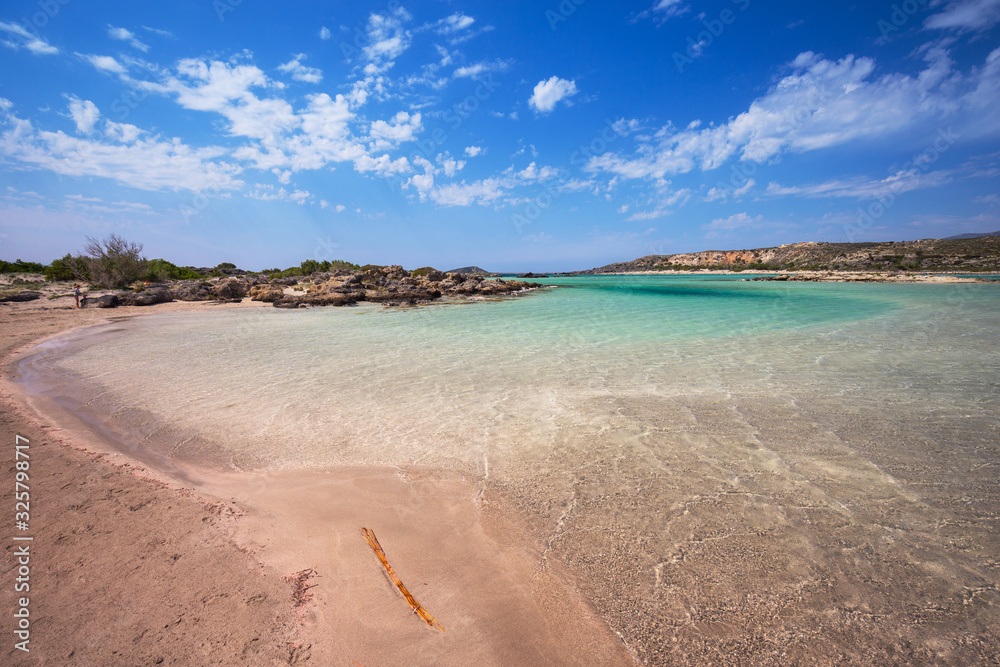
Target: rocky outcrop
x=388, y=285
x=230, y=288
x=106, y=301
x=20, y=296
x=266, y=293
x=192, y=290
x=148, y=297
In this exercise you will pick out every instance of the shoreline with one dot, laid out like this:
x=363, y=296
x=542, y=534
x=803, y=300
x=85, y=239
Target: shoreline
x=826, y=276
x=462, y=555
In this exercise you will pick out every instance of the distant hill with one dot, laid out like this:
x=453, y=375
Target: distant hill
x=472, y=270
x=959, y=237
x=981, y=253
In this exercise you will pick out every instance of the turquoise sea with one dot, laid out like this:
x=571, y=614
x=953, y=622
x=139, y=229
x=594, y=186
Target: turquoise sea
x=771, y=467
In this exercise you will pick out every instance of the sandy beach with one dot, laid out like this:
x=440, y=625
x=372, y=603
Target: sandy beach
x=133, y=563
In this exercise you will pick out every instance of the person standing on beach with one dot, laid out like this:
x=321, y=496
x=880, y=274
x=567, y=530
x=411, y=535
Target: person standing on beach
x=76, y=294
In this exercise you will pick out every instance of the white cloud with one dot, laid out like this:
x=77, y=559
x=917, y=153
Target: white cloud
x=300, y=72
x=268, y=193
x=121, y=132
x=976, y=15
x=666, y=9
x=458, y=28
x=455, y=23
x=387, y=39
x=382, y=165
x=548, y=93
x=663, y=10
x=84, y=113
x=860, y=188
x=106, y=63
x=157, y=31
x=33, y=43
x=473, y=151
x=481, y=192
x=226, y=89
x=127, y=36
x=450, y=166
x=648, y=215
x=724, y=193
x=821, y=104
x=474, y=70
x=146, y=164
x=736, y=221
x=389, y=135
x=324, y=33
x=535, y=173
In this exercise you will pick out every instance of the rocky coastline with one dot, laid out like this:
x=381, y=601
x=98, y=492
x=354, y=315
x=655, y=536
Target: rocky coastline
x=387, y=285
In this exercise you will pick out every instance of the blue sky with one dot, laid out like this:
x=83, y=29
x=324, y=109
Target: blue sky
x=521, y=136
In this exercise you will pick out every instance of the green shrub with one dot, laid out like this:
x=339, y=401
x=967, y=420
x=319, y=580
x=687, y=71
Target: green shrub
x=160, y=270
x=18, y=266
x=114, y=262
x=67, y=268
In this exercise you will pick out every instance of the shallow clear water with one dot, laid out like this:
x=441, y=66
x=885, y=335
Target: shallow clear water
x=719, y=460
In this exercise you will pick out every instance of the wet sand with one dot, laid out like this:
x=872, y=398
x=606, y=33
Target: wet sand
x=140, y=563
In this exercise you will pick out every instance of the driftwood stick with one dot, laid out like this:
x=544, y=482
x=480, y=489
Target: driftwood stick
x=417, y=607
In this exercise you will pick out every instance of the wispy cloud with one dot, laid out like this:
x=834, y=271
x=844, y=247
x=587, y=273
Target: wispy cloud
x=32, y=43
x=127, y=36
x=971, y=15
x=300, y=72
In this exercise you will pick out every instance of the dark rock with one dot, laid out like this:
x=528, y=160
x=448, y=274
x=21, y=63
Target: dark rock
x=289, y=302
x=21, y=296
x=230, y=288
x=191, y=290
x=106, y=301
x=328, y=299
x=145, y=298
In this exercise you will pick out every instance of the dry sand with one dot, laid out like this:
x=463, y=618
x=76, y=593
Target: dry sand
x=136, y=565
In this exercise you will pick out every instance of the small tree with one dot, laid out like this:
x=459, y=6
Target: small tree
x=68, y=268
x=114, y=262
